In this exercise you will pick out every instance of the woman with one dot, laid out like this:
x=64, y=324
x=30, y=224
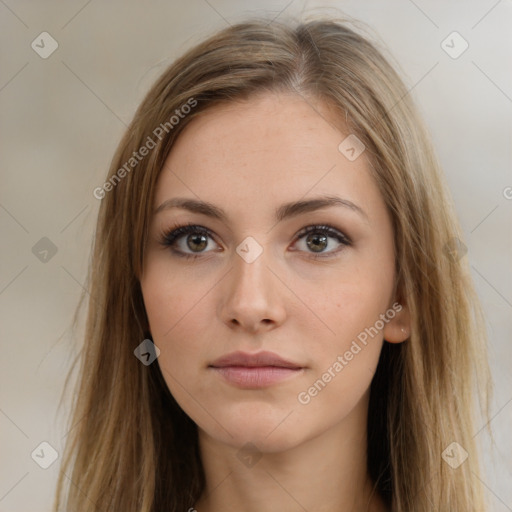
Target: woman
x=281, y=317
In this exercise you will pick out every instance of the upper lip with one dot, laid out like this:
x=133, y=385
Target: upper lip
x=252, y=360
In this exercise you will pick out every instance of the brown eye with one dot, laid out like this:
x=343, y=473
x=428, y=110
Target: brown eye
x=317, y=240
x=316, y=243
x=197, y=242
x=187, y=241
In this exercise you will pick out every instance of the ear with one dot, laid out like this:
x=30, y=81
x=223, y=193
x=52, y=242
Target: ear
x=398, y=328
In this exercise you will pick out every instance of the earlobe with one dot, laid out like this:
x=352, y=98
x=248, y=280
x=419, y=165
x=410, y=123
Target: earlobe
x=398, y=329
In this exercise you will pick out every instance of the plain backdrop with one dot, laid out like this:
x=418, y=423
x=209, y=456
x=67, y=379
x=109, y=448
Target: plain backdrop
x=61, y=118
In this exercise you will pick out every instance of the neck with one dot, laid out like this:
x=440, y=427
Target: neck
x=325, y=473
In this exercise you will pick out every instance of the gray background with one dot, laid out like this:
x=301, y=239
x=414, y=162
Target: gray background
x=61, y=118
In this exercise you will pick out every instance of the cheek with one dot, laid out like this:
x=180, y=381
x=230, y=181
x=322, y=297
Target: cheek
x=346, y=340
x=344, y=360
x=345, y=357
x=346, y=301
x=177, y=307
x=173, y=299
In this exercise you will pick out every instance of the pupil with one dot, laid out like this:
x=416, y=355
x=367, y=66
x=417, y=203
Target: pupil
x=316, y=245
x=315, y=242
x=197, y=239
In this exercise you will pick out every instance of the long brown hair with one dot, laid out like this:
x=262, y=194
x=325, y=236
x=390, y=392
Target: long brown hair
x=131, y=447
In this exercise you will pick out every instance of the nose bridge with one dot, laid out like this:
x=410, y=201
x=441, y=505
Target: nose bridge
x=251, y=298
x=249, y=281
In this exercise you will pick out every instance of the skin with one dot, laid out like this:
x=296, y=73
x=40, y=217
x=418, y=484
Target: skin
x=248, y=158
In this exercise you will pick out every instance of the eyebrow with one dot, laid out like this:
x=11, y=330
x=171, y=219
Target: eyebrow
x=285, y=211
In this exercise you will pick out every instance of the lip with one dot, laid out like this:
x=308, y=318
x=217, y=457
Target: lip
x=240, y=358
x=255, y=370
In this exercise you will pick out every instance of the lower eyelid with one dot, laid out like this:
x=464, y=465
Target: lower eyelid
x=329, y=231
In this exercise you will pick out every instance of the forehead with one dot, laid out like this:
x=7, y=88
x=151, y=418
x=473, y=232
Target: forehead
x=262, y=127
x=265, y=150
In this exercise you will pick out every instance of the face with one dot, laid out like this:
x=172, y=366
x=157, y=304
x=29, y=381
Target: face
x=310, y=283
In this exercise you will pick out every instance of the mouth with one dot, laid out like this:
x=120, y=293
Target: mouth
x=256, y=376
x=253, y=371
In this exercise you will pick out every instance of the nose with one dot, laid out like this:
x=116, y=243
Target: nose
x=252, y=296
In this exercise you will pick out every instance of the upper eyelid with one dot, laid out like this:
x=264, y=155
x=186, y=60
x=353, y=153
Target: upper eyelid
x=298, y=235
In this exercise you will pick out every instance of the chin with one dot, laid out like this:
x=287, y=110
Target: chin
x=263, y=428
x=264, y=443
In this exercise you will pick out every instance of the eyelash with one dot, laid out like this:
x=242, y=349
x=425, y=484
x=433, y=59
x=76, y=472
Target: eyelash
x=170, y=237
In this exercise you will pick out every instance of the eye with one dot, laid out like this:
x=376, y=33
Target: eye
x=197, y=240
x=316, y=240
x=191, y=241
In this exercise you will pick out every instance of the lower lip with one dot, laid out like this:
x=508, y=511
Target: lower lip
x=257, y=376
